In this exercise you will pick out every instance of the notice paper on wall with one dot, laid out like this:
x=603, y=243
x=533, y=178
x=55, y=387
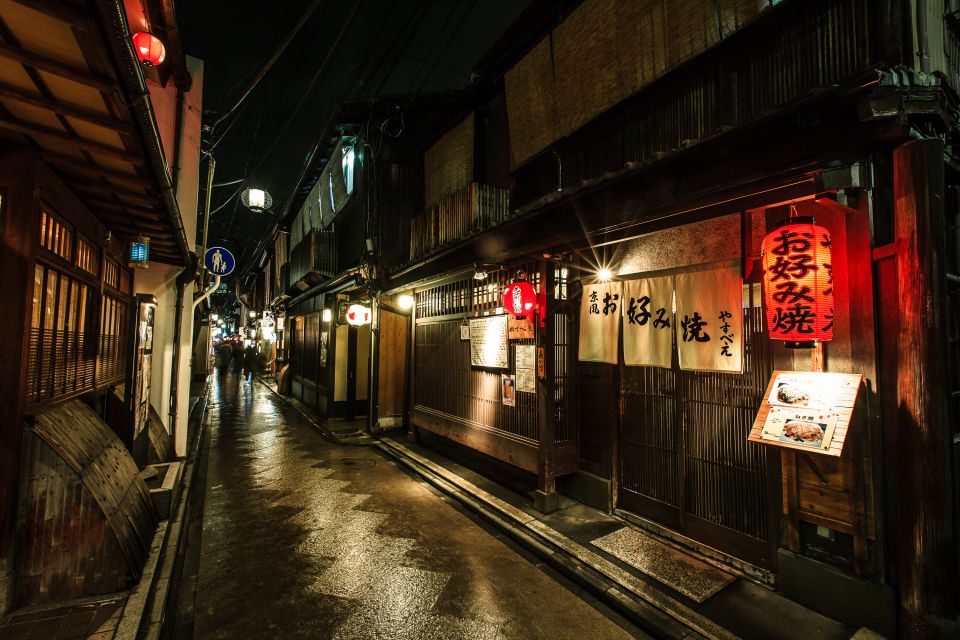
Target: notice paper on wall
x=600, y=322
x=709, y=321
x=526, y=368
x=648, y=322
x=488, y=342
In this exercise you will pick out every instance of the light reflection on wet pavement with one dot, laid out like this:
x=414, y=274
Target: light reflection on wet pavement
x=304, y=538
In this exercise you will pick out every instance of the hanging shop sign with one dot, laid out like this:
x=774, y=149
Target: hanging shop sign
x=600, y=322
x=648, y=322
x=798, y=283
x=526, y=359
x=488, y=342
x=519, y=299
x=520, y=328
x=149, y=48
x=358, y=315
x=709, y=320
x=807, y=411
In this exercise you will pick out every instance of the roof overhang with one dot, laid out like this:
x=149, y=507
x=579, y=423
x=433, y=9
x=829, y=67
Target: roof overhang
x=72, y=89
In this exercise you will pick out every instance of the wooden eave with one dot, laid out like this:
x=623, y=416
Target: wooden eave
x=60, y=94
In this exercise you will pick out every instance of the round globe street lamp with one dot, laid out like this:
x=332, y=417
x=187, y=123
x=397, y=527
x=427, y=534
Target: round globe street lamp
x=257, y=200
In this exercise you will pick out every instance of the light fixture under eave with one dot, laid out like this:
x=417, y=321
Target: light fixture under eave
x=257, y=200
x=479, y=273
x=604, y=274
x=139, y=253
x=149, y=48
x=405, y=301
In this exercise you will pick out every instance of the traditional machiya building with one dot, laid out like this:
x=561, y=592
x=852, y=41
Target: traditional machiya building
x=99, y=153
x=696, y=363
x=691, y=263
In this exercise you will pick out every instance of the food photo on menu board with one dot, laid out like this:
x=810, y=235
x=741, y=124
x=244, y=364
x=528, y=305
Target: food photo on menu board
x=802, y=411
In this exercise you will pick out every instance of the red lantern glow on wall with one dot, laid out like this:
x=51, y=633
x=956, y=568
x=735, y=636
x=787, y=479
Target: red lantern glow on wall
x=519, y=298
x=149, y=48
x=798, y=283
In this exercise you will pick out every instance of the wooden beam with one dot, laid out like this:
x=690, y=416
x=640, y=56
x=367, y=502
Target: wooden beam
x=18, y=54
x=36, y=100
x=19, y=126
x=60, y=11
x=99, y=189
x=78, y=165
x=927, y=548
x=123, y=207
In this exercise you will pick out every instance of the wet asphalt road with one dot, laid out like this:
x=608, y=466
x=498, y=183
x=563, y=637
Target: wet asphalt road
x=303, y=538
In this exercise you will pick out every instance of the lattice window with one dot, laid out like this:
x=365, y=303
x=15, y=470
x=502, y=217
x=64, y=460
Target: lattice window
x=114, y=340
x=126, y=281
x=111, y=273
x=87, y=256
x=55, y=236
x=62, y=337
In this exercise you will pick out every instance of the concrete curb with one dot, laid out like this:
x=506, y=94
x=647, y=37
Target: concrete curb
x=142, y=615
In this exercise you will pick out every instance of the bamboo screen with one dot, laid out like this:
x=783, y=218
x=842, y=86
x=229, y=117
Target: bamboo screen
x=605, y=51
x=531, y=107
x=448, y=164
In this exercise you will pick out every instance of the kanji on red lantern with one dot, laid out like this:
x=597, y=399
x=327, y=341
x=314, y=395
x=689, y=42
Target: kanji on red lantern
x=519, y=298
x=798, y=283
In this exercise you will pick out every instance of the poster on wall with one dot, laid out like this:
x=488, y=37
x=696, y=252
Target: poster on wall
x=807, y=410
x=526, y=372
x=488, y=342
x=648, y=322
x=709, y=320
x=465, y=331
x=508, y=390
x=600, y=322
x=324, y=338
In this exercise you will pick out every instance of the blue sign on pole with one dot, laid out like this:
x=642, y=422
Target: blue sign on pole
x=219, y=261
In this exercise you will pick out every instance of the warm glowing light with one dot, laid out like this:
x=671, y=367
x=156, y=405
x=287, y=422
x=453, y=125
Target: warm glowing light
x=358, y=315
x=150, y=50
x=519, y=298
x=252, y=314
x=405, y=301
x=327, y=315
x=257, y=199
x=214, y=316
x=798, y=283
x=604, y=274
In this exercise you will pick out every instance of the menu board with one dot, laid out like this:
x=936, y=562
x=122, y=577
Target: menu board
x=808, y=411
x=526, y=363
x=488, y=342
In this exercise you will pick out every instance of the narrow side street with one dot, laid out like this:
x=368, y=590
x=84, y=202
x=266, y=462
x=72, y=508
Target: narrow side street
x=304, y=538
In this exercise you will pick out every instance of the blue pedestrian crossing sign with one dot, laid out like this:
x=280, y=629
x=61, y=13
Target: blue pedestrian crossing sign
x=219, y=261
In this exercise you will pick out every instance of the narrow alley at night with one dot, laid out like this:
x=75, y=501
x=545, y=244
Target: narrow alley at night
x=513, y=319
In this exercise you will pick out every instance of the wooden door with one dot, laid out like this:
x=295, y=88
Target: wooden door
x=392, y=376
x=684, y=459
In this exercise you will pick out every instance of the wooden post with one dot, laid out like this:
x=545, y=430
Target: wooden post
x=926, y=545
x=546, y=496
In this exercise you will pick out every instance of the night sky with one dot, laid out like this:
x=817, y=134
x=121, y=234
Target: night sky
x=425, y=46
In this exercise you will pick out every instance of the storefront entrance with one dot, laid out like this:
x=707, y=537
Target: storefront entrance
x=685, y=461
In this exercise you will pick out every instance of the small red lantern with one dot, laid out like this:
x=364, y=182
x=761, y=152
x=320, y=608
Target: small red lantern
x=149, y=48
x=519, y=298
x=798, y=283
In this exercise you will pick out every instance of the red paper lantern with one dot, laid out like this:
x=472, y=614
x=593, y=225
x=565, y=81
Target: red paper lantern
x=798, y=283
x=358, y=315
x=519, y=298
x=149, y=48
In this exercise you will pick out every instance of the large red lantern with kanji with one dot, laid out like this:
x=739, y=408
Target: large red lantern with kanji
x=798, y=283
x=149, y=48
x=519, y=298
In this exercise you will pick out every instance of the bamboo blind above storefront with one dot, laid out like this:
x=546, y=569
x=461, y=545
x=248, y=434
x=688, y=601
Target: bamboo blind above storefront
x=586, y=65
x=448, y=164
